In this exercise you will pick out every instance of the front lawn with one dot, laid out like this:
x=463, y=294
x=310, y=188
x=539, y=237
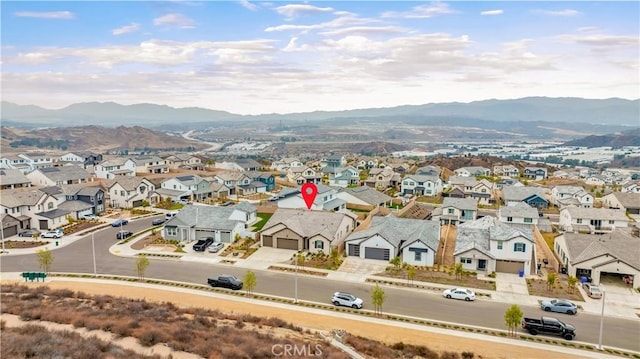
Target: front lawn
x=440, y=276
x=264, y=217
x=560, y=289
x=24, y=244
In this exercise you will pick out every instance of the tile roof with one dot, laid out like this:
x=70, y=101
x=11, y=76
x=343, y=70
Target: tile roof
x=306, y=223
x=12, y=198
x=12, y=176
x=628, y=200
x=596, y=213
x=367, y=194
x=204, y=216
x=478, y=234
x=513, y=193
x=398, y=231
x=460, y=203
x=65, y=173
x=619, y=244
x=519, y=210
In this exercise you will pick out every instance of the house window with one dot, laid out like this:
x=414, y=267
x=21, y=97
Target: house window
x=579, y=220
x=417, y=256
x=509, y=219
x=519, y=247
x=465, y=260
x=450, y=210
x=121, y=193
x=172, y=231
x=612, y=222
x=319, y=244
x=528, y=220
x=50, y=205
x=499, y=244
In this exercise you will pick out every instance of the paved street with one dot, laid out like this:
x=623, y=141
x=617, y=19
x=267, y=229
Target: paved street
x=77, y=257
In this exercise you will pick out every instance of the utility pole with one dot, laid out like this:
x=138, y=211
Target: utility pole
x=93, y=247
x=601, y=322
x=296, y=281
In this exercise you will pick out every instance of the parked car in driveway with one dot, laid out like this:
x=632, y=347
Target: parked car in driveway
x=593, y=291
x=51, y=234
x=119, y=222
x=202, y=244
x=90, y=217
x=216, y=247
x=559, y=306
x=158, y=221
x=459, y=293
x=124, y=234
x=28, y=233
x=347, y=300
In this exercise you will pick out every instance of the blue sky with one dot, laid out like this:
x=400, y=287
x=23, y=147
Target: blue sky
x=263, y=57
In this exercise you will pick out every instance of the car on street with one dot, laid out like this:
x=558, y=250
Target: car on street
x=225, y=281
x=203, y=244
x=228, y=203
x=347, y=300
x=124, y=234
x=29, y=233
x=90, y=217
x=216, y=247
x=593, y=291
x=274, y=198
x=158, y=221
x=119, y=222
x=559, y=306
x=51, y=234
x=548, y=325
x=459, y=293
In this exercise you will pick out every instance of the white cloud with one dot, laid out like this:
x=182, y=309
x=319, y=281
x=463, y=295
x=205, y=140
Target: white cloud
x=492, y=12
x=133, y=27
x=345, y=19
x=566, y=12
x=46, y=14
x=175, y=19
x=600, y=41
x=248, y=5
x=422, y=11
x=293, y=10
x=364, y=30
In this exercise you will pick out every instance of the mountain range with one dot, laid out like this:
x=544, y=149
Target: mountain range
x=613, y=111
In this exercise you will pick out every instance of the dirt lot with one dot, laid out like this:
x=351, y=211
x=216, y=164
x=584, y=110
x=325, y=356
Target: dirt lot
x=384, y=333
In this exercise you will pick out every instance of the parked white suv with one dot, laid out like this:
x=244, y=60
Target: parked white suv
x=347, y=300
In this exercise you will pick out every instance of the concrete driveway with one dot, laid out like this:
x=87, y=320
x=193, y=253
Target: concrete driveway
x=362, y=266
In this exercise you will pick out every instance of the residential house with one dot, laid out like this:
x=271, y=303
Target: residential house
x=535, y=173
x=84, y=159
x=510, y=171
x=197, y=221
x=382, y=178
x=38, y=160
x=364, y=195
x=10, y=226
x=150, y=164
x=266, y=178
x=591, y=220
x=415, y=241
x=115, y=167
x=184, y=161
x=533, y=196
x=284, y=164
x=302, y=175
x=32, y=208
x=625, y=202
x=129, y=192
x=187, y=187
x=13, y=178
x=469, y=187
x=421, y=185
x=232, y=180
x=240, y=165
x=594, y=255
x=456, y=210
x=304, y=230
x=402, y=168
x=506, y=181
x=57, y=176
x=430, y=170
x=79, y=199
x=326, y=199
x=334, y=161
x=474, y=171
x=14, y=161
x=562, y=196
x=343, y=176
x=519, y=215
x=366, y=164
x=631, y=186
x=596, y=180
x=489, y=245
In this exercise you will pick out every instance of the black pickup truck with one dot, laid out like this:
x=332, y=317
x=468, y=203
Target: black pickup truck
x=226, y=281
x=548, y=325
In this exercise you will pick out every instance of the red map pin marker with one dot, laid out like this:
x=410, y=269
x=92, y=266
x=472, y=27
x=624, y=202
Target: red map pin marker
x=309, y=192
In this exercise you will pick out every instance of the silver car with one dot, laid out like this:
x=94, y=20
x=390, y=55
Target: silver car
x=559, y=306
x=215, y=247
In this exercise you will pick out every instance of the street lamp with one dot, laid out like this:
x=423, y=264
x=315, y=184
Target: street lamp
x=93, y=248
x=296, y=280
x=601, y=320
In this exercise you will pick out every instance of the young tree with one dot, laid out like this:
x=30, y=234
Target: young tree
x=378, y=297
x=572, y=281
x=142, y=263
x=249, y=280
x=335, y=257
x=396, y=262
x=551, y=280
x=513, y=318
x=36, y=236
x=411, y=273
x=300, y=258
x=458, y=270
x=45, y=259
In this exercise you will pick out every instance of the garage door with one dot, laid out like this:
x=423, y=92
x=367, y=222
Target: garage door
x=205, y=234
x=137, y=203
x=354, y=250
x=225, y=237
x=509, y=266
x=267, y=241
x=287, y=243
x=376, y=253
x=10, y=231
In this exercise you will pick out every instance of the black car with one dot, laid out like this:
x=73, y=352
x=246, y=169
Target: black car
x=124, y=234
x=225, y=281
x=158, y=221
x=202, y=244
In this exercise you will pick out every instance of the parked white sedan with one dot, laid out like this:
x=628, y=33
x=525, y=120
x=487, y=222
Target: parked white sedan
x=459, y=293
x=51, y=234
